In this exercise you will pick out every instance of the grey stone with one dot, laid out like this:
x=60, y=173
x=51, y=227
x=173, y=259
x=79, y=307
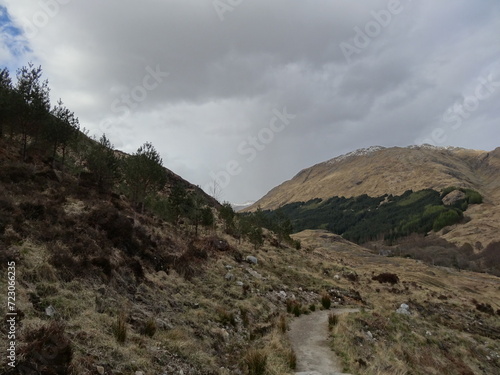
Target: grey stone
x=404, y=309
x=50, y=311
x=252, y=260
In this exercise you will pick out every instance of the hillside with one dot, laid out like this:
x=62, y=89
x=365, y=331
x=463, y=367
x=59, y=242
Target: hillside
x=103, y=287
x=378, y=171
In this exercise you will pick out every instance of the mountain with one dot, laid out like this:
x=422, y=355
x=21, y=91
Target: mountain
x=377, y=171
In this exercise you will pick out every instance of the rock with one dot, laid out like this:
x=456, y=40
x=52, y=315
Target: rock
x=229, y=276
x=370, y=335
x=239, y=283
x=282, y=294
x=251, y=259
x=336, y=277
x=453, y=197
x=229, y=267
x=254, y=273
x=220, y=245
x=100, y=370
x=50, y=311
x=404, y=309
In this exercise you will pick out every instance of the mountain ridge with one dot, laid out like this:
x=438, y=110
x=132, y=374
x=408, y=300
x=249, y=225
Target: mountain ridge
x=377, y=171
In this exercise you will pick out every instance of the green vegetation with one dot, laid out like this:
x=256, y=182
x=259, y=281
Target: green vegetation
x=363, y=218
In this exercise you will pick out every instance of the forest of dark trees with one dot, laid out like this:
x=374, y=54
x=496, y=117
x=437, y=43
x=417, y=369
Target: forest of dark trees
x=363, y=218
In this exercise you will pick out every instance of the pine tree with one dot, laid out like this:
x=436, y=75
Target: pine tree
x=33, y=104
x=144, y=173
x=103, y=164
x=5, y=100
x=61, y=129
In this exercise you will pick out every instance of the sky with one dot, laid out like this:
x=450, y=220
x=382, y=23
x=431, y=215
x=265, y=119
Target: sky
x=243, y=94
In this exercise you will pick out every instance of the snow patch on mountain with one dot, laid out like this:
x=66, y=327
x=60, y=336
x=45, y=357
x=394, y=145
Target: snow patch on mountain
x=358, y=152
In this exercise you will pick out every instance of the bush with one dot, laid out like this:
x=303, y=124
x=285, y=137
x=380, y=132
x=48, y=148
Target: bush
x=47, y=351
x=256, y=362
x=282, y=325
x=149, y=327
x=292, y=359
x=386, y=277
x=120, y=328
x=226, y=317
x=473, y=197
x=446, y=218
x=333, y=320
x=326, y=301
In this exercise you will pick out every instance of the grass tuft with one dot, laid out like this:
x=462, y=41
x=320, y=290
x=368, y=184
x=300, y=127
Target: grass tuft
x=120, y=328
x=256, y=362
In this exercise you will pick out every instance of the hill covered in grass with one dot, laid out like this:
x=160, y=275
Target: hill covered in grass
x=379, y=171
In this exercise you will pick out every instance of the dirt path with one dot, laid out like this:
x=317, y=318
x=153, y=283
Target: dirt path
x=309, y=337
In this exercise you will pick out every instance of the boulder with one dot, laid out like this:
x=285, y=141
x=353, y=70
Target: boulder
x=453, y=197
x=404, y=309
x=251, y=259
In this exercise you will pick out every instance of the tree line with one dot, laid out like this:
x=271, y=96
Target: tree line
x=364, y=218
x=53, y=133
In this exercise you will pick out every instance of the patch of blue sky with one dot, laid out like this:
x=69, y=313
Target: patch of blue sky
x=12, y=41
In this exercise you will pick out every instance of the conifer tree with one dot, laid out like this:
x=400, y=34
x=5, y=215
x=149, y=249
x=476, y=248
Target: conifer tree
x=144, y=173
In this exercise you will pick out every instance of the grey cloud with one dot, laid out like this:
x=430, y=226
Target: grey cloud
x=225, y=78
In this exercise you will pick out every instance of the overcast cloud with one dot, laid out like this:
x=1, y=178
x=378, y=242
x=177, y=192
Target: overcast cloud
x=308, y=79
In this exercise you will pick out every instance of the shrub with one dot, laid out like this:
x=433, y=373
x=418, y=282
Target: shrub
x=292, y=359
x=351, y=276
x=282, y=325
x=256, y=362
x=446, y=218
x=150, y=327
x=473, y=197
x=47, y=351
x=312, y=307
x=333, y=320
x=120, y=328
x=297, y=309
x=226, y=317
x=326, y=301
x=386, y=277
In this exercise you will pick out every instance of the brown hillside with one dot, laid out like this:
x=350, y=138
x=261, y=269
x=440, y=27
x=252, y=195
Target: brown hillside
x=377, y=171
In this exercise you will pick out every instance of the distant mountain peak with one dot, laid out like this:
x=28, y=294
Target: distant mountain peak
x=358, y=152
